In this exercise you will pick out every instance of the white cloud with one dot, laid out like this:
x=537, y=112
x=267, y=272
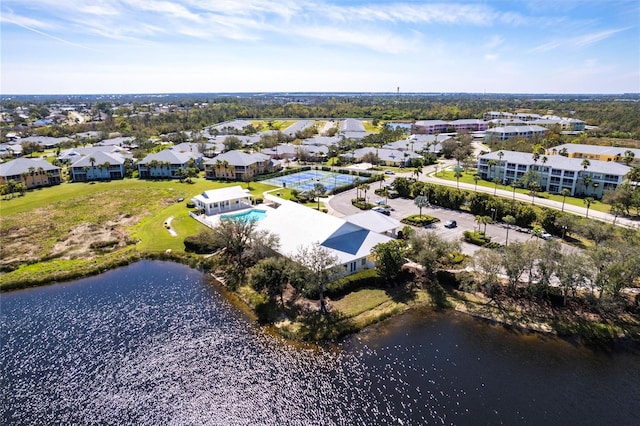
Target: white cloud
x=494, y=42
x=577, y=42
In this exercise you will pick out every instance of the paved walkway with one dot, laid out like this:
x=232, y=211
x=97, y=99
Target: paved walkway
x=428, y=175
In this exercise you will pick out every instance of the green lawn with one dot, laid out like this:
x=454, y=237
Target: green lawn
x=34, y=226
x=468, y=178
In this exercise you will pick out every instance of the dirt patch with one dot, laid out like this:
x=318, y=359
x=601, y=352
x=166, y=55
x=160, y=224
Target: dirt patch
x=91, y=239
x=86, y=240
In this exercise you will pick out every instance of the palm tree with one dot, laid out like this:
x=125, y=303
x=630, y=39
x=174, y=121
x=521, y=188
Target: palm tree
x=483, y=220
x=509, y=220
x=536, y=157
x=457, y=174
x=588, y=201
x=496, y=181
x=515, y=184
x=417, y=172
x=385, y=194
x=492, y=164
x=628, y=157
x=587, y=183
x=565, y=193
x=319, y=189
x=356, y=184
x=475, y=180
x=534, y=188
x=421, y=201
x=500, y=155
x=365, y=188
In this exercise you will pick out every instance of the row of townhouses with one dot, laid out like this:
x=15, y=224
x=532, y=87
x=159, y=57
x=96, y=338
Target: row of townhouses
x=554, y=172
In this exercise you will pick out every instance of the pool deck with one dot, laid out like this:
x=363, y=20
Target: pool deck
x=213, y=220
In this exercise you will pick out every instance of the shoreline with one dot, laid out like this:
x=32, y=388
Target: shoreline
x=456, y=300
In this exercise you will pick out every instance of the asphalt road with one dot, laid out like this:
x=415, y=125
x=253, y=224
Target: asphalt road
x=340, y=205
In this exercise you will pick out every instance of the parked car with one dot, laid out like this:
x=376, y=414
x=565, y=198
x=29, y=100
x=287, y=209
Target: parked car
x=389, y=172
x=382, y=210
x=545, y=235
x=450, y=224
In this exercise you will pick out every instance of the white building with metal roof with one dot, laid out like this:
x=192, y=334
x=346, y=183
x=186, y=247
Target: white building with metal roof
x=555, y=172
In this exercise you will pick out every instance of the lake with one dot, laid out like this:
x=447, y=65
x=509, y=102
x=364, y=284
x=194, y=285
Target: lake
x=157, y=343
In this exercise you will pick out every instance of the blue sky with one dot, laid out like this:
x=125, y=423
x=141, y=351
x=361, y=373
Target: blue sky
x=157, y=46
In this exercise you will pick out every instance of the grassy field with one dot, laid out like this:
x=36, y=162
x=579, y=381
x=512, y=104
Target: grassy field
x=468, y=178
x=81, y=225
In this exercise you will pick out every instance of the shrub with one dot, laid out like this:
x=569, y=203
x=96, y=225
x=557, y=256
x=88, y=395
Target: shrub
x=417, y=220
x=350, y=283
x=362, y=205
x=480, y=239
x=103, y=244
x=200, y=243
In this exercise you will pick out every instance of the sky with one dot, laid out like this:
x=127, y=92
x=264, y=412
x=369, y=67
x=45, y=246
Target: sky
x=188, y=46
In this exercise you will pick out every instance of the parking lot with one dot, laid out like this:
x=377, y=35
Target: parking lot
x=402, y=208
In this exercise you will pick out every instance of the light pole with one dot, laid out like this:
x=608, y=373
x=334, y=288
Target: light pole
x=564, y=230
x=493, y=214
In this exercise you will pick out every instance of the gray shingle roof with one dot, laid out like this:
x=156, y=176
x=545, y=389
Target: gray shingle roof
x=560, y=162
x=100, y=157
x=170, y=156
x=596, y=149
x=22, y=165
x=239, y=158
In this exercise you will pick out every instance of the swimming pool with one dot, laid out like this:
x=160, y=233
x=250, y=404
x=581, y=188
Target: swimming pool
x=252, y=215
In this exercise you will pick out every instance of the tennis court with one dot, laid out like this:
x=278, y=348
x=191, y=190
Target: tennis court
x=304, y=181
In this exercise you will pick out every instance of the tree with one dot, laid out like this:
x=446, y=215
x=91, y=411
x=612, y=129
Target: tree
x=588, y=201
x=428, y=248
x=319, y=190
x=628, y=157
x=402, y=186
x=573, y=272
x=565, y=193
x=234, y=236
x=421, y=201
x=320, y=266
x=457, y=174
x=417, y=172
x=488, y=263
x=365, y=187
x=514, y=263
x=271, y=275
x=534, y=188
x=496, y=181
x=547, y=265
x=510, y=221
x=389, y=258
x=232, y=142
x=615, y=265
x=475, y=181
x=566, y=222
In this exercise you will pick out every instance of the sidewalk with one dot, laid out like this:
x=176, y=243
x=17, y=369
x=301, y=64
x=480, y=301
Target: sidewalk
x=427, y=176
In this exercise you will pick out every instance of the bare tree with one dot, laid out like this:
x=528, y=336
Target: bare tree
x=320, y=266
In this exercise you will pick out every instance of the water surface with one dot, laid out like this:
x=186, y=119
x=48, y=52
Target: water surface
x=155, y=343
